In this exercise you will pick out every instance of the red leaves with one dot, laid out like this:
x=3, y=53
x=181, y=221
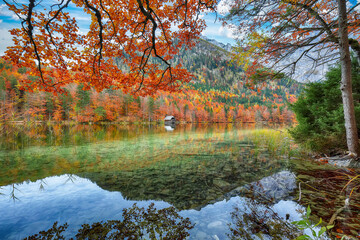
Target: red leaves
x=145, y=38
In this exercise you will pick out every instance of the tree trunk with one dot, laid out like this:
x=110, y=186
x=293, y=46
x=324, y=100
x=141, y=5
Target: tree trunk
x=346, y=88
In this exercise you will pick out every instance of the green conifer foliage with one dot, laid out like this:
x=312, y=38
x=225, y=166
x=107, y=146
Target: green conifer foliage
x=83, y=96
x=319, y=112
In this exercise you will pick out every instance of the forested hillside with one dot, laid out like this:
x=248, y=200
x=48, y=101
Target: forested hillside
x=218, y=93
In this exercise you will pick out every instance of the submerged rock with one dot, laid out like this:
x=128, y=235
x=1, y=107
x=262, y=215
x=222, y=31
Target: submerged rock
x=221, y=183
x=273, y=188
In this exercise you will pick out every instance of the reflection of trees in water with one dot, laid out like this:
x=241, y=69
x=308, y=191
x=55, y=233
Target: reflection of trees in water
x=260, y=220
x=20, y=136
x=42, y=183
x=12, y=193
x=71, y=178
x=137, y=223
x=85, y=148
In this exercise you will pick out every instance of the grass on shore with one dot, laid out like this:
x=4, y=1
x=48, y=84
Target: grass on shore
x=277, y=142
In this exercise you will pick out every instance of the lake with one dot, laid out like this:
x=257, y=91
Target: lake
x=215, y=175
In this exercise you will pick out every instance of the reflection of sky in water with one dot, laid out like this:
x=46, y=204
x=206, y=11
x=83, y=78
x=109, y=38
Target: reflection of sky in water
x=75, y=203
x=82, y=201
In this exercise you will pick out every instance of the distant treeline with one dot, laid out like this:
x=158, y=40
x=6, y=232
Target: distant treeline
x=198, y=101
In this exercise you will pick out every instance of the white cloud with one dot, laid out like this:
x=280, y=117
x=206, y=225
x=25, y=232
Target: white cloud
x=5, y=40
x=357, y=8
x=226, y=32
x=214, y=29
x=14, y=17
x=224, y=6
x=5, y=12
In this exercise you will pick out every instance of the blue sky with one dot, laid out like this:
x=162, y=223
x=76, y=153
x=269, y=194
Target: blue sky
x=8, y=20
x=216, y=31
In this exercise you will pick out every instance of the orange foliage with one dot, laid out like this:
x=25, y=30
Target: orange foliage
x=134, y=31
x=189, y=105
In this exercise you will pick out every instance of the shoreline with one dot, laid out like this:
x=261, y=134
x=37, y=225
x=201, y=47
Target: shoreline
x=130, y=122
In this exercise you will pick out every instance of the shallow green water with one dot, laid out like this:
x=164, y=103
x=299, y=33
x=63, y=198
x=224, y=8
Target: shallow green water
x=89, y=173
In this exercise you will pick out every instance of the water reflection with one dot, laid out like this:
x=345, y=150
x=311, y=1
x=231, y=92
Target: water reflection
x=65, y=202
x=86, y=174
x=81, y=202
x=136, y=223
x=113, y=148
x=261, y=220
x=186, y=180
x=170, y=126
x=23, y=136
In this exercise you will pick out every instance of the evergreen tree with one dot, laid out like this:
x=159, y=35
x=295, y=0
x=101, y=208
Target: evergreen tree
x=83, y=97
x=151, y=107
x=319, y=112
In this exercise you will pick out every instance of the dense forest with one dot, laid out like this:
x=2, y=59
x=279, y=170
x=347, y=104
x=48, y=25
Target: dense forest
x=217, y=93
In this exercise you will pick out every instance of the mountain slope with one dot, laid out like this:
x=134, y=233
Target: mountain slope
x=217, y=93
x=213, y=69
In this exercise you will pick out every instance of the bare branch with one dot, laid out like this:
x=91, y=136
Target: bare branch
x=98, y=17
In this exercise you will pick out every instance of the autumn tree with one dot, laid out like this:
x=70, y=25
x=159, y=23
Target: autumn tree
x=290, y=35
x=50, y=45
